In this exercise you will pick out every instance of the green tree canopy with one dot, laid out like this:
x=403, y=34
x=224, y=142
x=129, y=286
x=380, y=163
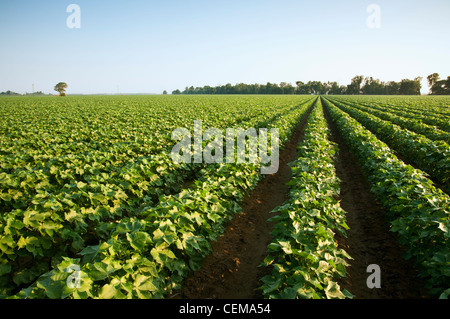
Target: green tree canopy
x=438, y=87
x=61, y=88
x=410, y=87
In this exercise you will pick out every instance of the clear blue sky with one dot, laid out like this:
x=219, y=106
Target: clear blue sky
x=151, y=46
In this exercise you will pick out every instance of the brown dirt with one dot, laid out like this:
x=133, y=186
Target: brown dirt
x=369, y=240
x=231, y=271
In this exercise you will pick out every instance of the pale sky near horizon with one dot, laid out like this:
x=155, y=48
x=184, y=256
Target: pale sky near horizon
x=149, y=46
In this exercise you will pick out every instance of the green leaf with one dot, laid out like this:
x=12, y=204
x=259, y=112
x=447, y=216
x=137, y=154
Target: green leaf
x=101, y=270
x=286, y=246
x=5, y=269
x=271, y=283
x=89, y=253
x=195, y=263
x=333, y=291
x=144, y=283
x=7, y=243
x=288, y=293
x=110, y=292
x=445, y=294
x=139, y=240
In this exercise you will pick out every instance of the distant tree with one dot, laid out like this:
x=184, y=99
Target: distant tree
x=241, y=88
x=262, y=89
x=165, y=92
x=358, y=85
x=61, y=88
x=9, y=92
x=301, y=88
x=355, y=86
x=438, y=87
x=228, y=89
x=334, y=88
x=351, y=89
x=286, y=88
x=273, y=88
x=316, y=87
x=410, y=87
x=208, y=90
x=38, y=93
x=447, y=85
x=373, y=86
x=418, y=84
x=392, y=88
x=432, y=79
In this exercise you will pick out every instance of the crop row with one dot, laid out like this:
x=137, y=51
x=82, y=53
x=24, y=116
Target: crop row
x=429, y=131
x=425, y=113
x=303, y=256
x=56, y=205
x=433, y=157
x=148, y=255
x=418, y=211
x=414, y=105
x=431, y=106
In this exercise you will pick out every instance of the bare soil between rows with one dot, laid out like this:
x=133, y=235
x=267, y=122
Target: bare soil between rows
x=369, y=240
x=231, y=271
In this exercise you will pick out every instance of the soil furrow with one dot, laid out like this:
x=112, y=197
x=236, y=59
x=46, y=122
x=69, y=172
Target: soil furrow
x=369, y=240
x=231, y=271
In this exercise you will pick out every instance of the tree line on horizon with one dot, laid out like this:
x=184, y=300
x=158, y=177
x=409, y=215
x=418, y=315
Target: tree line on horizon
x=359, y=85
x=11, y=93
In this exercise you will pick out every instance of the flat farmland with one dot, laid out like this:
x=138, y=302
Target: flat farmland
x=93, y=204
